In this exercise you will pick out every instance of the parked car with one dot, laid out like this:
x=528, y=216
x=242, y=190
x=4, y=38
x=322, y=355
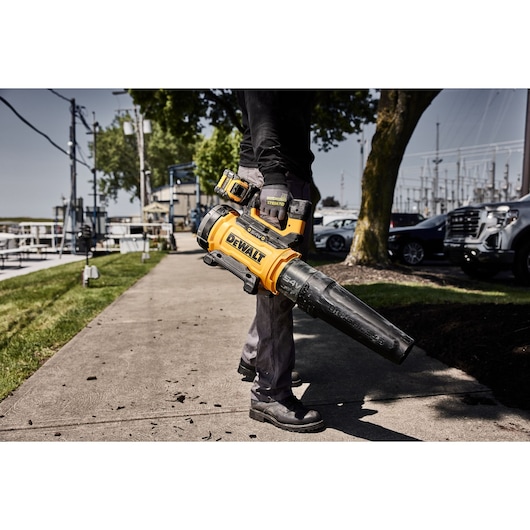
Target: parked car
x=405, y=219
x=412, y=244
x=345, y=222
x=335, y=236
x=339, y=238
x=485, y=239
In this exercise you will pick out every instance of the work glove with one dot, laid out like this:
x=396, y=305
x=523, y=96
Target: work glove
x=274, y=200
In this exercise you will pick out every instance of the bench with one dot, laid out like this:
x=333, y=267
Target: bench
x=21, y=251
x=6, y=252
x=28, y=249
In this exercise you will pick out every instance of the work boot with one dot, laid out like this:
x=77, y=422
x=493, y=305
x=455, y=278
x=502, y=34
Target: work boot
x=288, y=414
x=249, y=373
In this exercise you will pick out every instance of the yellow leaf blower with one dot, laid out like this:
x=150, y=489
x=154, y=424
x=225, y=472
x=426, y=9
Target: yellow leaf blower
x=263, y=256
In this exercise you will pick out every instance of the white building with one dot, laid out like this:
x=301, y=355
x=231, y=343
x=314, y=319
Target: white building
x=180, y=199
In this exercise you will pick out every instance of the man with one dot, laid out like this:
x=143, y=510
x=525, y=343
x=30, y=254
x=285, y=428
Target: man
x=275, y=154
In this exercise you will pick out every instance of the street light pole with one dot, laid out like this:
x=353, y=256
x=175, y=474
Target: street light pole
x=141, y=127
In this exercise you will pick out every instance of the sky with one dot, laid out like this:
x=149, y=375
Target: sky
x=35, y=175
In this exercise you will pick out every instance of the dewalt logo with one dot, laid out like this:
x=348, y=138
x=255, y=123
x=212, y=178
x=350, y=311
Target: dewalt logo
x=245, y=248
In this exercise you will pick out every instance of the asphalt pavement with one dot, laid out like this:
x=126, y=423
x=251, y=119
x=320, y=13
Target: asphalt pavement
x=160, y=364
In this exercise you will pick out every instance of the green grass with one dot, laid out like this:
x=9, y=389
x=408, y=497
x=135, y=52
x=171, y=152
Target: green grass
x=16, y=220
x=387, y=294
x=42, y=311
x=402, y=294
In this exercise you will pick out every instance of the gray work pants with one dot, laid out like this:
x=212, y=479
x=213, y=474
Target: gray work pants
x=270, y=344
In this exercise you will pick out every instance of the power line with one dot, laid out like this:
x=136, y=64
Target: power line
x=78, y=111
x=78, y=108
x=32, y=126
x=58, y=95
x=3, y=100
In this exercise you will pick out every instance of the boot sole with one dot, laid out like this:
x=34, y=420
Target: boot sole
x=307, y=427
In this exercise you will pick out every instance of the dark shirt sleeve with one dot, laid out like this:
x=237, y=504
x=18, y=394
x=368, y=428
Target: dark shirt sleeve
x=277, y=127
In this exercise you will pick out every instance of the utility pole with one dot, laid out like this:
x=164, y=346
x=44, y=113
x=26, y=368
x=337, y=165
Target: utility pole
x=140, y=127
x=362, y=141
x=506, y=185
x=525, y=186
x=141, y=155
x=342, y=189
x=492, y=179
x=436, y=161
x=458, y=203
x=95, y=126
x=73, y=178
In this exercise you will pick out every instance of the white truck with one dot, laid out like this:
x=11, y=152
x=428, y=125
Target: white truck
x=487, y=238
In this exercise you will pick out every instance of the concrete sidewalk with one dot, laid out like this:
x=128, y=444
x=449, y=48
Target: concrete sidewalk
x=36, y=262
x=160, y=364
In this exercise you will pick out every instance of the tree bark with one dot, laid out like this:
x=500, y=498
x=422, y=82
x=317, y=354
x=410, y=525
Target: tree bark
x=398, y=114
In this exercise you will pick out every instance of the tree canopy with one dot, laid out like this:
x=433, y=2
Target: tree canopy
x=117, y=157
x=338, y=114
x=185, y=113
x=214, y=154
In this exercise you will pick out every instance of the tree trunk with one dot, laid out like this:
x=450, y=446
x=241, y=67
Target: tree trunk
x=397, y=116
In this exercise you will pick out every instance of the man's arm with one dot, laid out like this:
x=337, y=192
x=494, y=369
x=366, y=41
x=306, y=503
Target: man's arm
x=263, y=109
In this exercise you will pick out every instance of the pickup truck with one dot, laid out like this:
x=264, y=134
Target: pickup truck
x=487, y=238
